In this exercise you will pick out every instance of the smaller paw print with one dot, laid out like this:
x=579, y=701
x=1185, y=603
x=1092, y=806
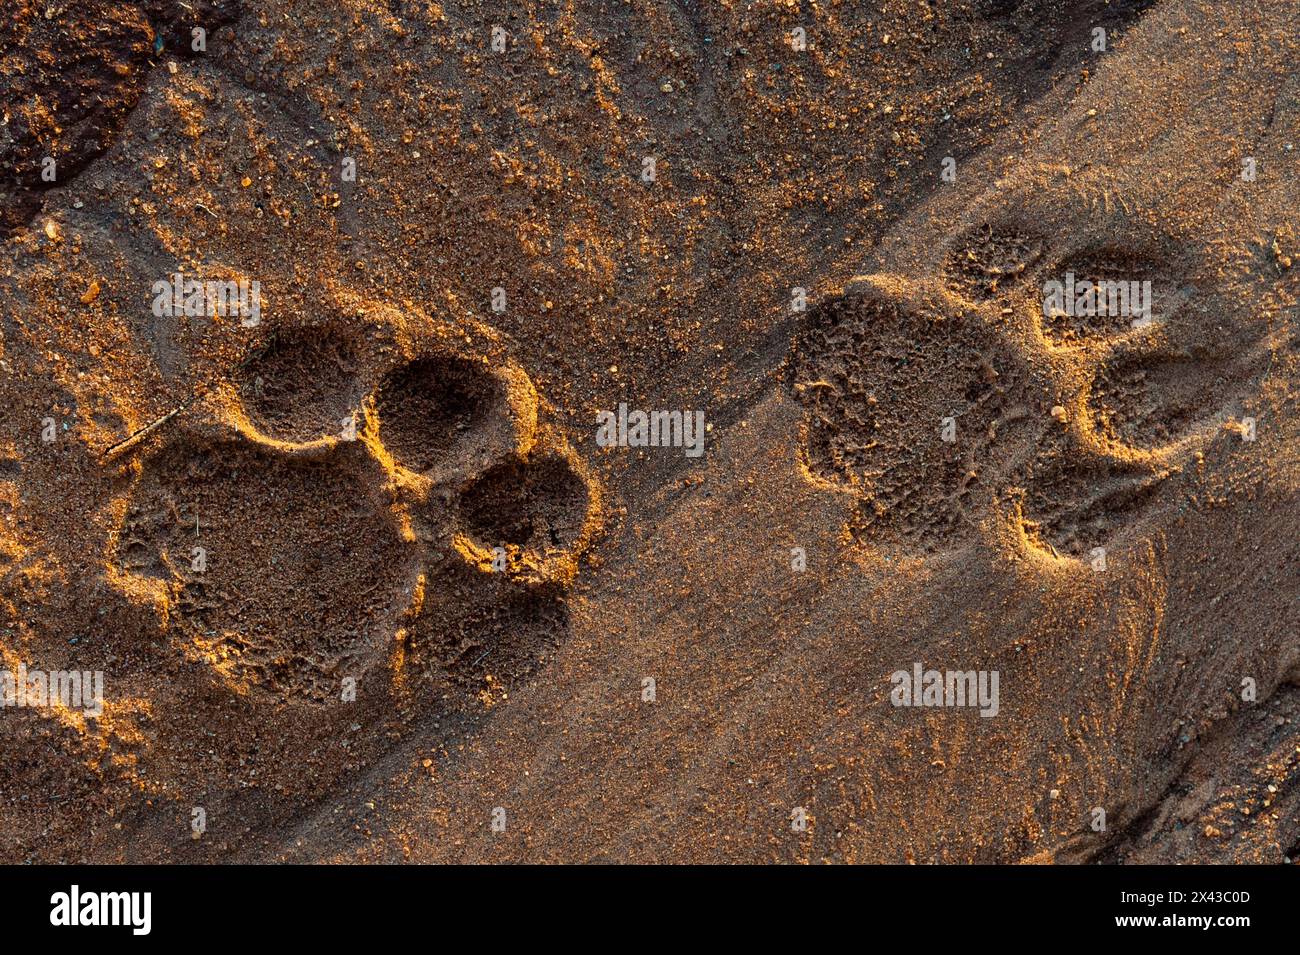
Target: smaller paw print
x=910, y=400
x=949, y=401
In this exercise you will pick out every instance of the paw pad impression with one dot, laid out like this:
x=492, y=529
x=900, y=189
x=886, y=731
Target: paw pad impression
x=346, y=515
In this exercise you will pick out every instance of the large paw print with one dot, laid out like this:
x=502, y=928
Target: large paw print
x=341, y=514
x=946, y=401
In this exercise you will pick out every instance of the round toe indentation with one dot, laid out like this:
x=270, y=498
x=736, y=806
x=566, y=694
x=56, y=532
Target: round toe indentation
x=441, y=411
x=1072, y=504
x=1147, y=401
x=540, y=505
x=987, y=260
x=302, y=385
x=1103, y=292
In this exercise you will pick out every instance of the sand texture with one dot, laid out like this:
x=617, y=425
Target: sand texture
x=365, y=581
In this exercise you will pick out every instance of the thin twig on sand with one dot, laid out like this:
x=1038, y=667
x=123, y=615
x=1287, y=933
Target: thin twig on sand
x=137, y=436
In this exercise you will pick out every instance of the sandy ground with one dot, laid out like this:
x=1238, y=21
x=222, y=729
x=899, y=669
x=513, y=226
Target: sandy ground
x=364, y=585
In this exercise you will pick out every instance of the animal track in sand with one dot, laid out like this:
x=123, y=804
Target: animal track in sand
x=986, y=261
x=1108, y=264
x=288, y=555
x=302, y=385
x=879, y=367
x=880, y=378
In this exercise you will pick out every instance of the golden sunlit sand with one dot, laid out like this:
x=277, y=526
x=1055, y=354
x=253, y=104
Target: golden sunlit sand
x=365, y=579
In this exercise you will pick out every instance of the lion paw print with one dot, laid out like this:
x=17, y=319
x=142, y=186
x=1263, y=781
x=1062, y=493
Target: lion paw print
x=346, y=515
x=946, y=400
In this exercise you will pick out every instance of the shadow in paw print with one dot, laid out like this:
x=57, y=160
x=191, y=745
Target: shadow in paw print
x=505, y=630
x=439, y=409
x=1147, y=399
x=302, y=385
x=540, y=504
x=1149, y=408
x=515, y=634
x=907, y=406
x=1074, y=507
x=1116, y=304
x=284, y=574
